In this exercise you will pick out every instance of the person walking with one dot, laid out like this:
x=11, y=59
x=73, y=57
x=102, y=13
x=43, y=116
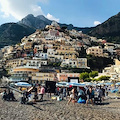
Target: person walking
x=72, y=97
x=90, y=95
x=42, y=92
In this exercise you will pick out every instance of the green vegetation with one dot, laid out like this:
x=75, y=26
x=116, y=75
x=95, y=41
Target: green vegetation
x=3, y=72
x=109, y=30
x=87, y=77
x=98, y=63
x=84, y=76
x=93, y=74
x=54, y=64
x=12, y=33
x=103, y=78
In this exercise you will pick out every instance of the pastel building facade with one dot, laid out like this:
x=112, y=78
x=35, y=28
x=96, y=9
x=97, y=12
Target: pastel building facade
x=63, y=77
x=42, y=77
x=96, y=51
x=78, y=63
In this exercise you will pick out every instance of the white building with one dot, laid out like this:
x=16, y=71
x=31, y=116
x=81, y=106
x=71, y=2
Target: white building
x=78, y=63
x=41, y=55
x=69, y=62
x=51, y=52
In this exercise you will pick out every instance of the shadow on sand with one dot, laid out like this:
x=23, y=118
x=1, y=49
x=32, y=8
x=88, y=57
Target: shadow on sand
x=37, y=107
x=102, y=103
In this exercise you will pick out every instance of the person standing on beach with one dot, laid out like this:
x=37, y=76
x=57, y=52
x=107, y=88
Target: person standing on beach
x=49, y=91
x=90, y=95
x=35, y=95
x=42, y=92
x=72, y=97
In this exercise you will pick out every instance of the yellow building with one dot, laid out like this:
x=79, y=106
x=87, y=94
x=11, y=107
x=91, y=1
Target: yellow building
x=41, y=77
x=28, y=45
x=96, y=51
x=15, y=62
x=23, y=73
x=67, y=51
x=21, y=62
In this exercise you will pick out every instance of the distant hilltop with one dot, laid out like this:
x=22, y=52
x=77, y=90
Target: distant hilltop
x=12, y=33
x=40, y=22
x=109, y=30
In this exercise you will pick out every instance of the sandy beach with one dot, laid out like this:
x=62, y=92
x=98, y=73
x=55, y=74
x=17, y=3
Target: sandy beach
x=58, y=110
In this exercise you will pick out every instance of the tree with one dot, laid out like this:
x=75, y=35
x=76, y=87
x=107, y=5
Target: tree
x=103, y=78
x=84, y=75
x=93, y=74
x=87, y=80
x=98, y=63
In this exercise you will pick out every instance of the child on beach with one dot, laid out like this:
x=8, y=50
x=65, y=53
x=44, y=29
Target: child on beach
x=72, y=96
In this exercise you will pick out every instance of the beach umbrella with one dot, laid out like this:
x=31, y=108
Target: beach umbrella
x=89, y=84
x=109, y=83
x=23, y=84
x=118, y=83
x=62, y=84
x=99, y=84
x=77, y=84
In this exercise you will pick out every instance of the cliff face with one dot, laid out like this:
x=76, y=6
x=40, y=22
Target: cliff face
x=110, y=29
x=38, y=22
x=11, y=33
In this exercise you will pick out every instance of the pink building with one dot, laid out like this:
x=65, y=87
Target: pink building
x=63, y=77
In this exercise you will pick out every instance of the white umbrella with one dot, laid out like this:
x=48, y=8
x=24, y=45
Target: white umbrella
x=62, y=84
x=77, y=84
x=109, y=83
x=118, y=83
x=23, y=84
x=89, y=83
x=99, y=84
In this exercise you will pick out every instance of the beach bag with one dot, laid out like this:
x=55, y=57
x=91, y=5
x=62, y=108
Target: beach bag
x=53, y=98
x=59, y=98
x=81, y=100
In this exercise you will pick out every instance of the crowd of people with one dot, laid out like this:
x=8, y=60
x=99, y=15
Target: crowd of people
x=8, y=95
x=71, y=93
x=82, y=94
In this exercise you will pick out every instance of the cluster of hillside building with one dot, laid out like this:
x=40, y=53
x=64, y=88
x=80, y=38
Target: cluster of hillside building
x=30, y=59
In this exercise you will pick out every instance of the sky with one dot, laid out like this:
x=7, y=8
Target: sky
x=80, y=13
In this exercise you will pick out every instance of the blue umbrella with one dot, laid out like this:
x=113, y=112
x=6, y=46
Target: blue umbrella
x=90, y=84
x=23, y=84
x=77, y=84
x=99, y=84
x=109, y=83
x=118, y=83
x=62, y=84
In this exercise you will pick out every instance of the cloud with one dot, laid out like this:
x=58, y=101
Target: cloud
x=96, y=23
x=50, y=17
x=20, y=8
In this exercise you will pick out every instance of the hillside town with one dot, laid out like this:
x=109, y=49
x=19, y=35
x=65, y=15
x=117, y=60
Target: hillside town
x=54, y=54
